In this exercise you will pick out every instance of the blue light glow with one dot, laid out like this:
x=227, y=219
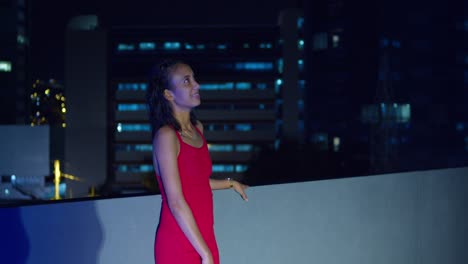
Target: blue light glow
x=133, y=127
x=171, y=45
x=217, y=86
x=132, y=86
x=125, y=47
x=254, y=66
x=147, y=46
x=135, y=168
x=131, y=107
x=243, y=127
x=243, y=86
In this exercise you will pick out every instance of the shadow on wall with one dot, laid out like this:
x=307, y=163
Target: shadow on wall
x=67, y=232
x=14, y=243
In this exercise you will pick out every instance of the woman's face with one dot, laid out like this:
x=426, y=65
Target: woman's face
x=185, y=91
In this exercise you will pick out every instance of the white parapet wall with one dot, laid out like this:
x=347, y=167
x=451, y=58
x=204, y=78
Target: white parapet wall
x=414, y=218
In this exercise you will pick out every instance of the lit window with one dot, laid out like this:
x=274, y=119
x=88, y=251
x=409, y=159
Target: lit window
x=172, y=45
x=244, y=147
x=201, y=46
x=278, y=84
x=254, y=66
x=320, y=41
x=20, y=39
x=265, y=45
x=300, y=22
x=243, y=86
x=133, y=127
x=241, y=168
x=189, y=46
x=132, y=86
x=221, y=46
x=5, y=66
x=300, y=44
x=135, y=168
x=300, y=64
x=243, y=127
x=280, y=65
x=335, y=41
x=336, y=144
x=125, y=47
x=217, y=86
x=131, y=107
x=222, y=168
x=220, y=147
x=147, y=46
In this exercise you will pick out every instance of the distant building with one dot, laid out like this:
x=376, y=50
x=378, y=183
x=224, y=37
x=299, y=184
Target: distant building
x=14, y=61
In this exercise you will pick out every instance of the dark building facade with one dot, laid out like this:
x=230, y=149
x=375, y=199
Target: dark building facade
x=388, y=79
x=14, y=61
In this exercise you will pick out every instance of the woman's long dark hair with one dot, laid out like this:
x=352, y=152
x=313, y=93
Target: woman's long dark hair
x=160, y=110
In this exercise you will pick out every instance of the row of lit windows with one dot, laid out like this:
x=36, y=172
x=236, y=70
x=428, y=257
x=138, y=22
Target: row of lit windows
x=213, y=86
x=205, y=86
x=237, y=126
x=176, y=45
x=237, y=106
x=132, y=87
x=145, y=168
x=126, y=127
x=211, y=147
x=400, y=113
x=233, y=86
x=132, y=107
x=320, y=41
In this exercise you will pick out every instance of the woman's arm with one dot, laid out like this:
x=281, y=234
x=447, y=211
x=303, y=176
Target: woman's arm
x=239, y=187
x=166, y=148
x=216, y=184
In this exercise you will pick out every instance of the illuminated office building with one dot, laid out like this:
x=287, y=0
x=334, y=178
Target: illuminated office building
x=251, y=90
x=14, y=58
x=251, y=86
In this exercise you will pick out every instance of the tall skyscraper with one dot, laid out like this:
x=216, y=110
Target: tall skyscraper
x=14, y=59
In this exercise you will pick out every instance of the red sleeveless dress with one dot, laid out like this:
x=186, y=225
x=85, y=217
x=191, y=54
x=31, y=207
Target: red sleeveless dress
x=171, y=245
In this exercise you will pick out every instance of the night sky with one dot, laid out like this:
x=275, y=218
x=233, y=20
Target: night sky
x=49, y=19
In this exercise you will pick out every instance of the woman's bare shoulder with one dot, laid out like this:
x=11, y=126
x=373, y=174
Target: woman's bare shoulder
x=165, y=133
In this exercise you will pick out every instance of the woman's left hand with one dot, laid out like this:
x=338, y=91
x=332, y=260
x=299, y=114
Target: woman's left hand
x=240, y=189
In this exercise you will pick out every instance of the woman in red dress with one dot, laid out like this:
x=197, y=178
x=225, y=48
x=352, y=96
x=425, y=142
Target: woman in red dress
x=182, y=163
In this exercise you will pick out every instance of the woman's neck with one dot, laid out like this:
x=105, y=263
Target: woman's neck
x=184, y=120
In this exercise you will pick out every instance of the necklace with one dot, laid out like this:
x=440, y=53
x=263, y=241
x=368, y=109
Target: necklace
x=186, y=133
